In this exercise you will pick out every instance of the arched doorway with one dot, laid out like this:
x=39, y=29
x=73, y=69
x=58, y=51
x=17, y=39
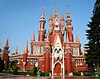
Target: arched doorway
x=57, y=69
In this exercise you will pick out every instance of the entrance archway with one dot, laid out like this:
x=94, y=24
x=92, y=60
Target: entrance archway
x=57, y=69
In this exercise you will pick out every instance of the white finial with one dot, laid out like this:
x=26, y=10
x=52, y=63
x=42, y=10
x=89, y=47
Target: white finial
x=42, y=12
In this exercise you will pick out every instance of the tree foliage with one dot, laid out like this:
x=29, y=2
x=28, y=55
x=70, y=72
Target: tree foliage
x=13, y=66
x=1, y=65
x=93, y=35
x=13, y=63
x=35, y=69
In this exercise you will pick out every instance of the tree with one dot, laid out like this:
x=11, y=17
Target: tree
x=13, y=66
x=35, y=69
x=1, y=65
x=13, y=63
x=93, y=35
x=15, y=69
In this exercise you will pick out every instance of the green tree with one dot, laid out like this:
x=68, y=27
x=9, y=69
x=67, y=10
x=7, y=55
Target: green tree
x=15, y=69
x=13, y=63
x=35, y=69
x=1, y=65
x=13, y=66
x=93, y=35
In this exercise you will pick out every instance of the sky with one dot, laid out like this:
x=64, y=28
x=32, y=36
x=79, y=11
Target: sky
x=20, y=18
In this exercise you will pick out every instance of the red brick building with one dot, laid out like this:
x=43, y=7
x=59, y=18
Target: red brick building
x=52, y=52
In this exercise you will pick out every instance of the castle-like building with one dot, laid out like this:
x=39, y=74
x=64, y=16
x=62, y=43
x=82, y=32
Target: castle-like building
x=51, y=52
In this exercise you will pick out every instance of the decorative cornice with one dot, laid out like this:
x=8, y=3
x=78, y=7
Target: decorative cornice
x=42, y=30
x=5, y=51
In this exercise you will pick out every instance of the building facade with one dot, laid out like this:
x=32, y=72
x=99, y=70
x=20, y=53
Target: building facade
x=51, y=52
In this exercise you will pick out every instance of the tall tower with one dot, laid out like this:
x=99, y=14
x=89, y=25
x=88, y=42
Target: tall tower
x=69, y=28
x=41, y=31
x=5, y=53
x=25, y=56
x=62, y=24
x=50, y=24
x=47, y=50
x=68, y=59
x=32, y=40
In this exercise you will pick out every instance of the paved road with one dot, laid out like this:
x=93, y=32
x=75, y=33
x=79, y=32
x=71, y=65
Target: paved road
x=9, y=76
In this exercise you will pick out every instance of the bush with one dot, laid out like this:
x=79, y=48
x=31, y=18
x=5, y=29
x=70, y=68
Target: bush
x=46, y=73
x=1, y=65
x=6, y=71
x=13, y=63
x=15, y=69
x=42, y=74
x=66, y=72
x=77, y=73
x=25, y=73
x=89, y=74
x=35, y=69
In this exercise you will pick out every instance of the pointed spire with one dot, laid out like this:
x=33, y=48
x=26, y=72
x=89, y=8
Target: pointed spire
x=68, y=14
x=50, y=16
x=33, y=37
x=16, y=52
x=62, y=17
x=47, y=40
x=6, y=47
x=55, y=12
x=68, y=18
x=26, y=48
x=67, y=38
x=7, y=44
x=42, y=16
x=77, y=39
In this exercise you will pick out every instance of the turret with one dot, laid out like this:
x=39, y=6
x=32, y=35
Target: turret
x=77, y=39
x=41, y=31
x=47, y=50
x=62, y=24
x=32, y=40
x=50, y=24
x=16, y=52
x=68, y=55
x=33, y=37
x=50, y=18
x=69, y=28
x=26, y=48
x=62, y=20
x=25, y=56
x=55, y=15
x=68, y=19
x=6, y=47
x=5, y=53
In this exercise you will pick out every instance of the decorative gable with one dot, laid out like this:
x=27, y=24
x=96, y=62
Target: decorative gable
x=57, y=49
